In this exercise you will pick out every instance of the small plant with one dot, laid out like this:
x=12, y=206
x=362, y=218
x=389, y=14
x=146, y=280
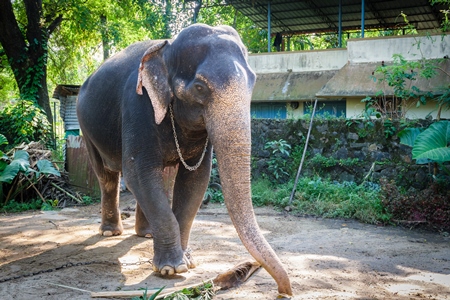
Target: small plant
x=432, y=144
x=152, y=297
x=389, y=128
x=201, y=292
x=50, y=205
x=277, y=164
x=214, y=190
x=326, y=162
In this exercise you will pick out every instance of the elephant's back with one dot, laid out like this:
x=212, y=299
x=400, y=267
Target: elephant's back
x=100, y=100
x=106, y=86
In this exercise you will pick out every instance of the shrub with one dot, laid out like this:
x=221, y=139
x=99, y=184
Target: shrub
x=329, y=199
x=24, y=122
x=429, y=207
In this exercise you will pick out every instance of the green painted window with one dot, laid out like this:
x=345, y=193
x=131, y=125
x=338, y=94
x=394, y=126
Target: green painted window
x=327, y=108
x=268, y=110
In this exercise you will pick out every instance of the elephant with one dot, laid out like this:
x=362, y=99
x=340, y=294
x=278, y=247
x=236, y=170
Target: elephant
x=161, y=103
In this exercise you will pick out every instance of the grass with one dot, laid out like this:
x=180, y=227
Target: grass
x=321, y=197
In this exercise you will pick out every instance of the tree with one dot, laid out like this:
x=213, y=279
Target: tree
x=27, y=28
x=25, y=45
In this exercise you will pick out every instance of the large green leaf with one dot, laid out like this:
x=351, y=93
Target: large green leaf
x=408, y=136
x=46, y=167
x=20, y=163
x=9, y=173
x=22, y=159
x=433, y=143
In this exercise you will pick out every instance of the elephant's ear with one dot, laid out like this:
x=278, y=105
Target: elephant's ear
x=153, y=75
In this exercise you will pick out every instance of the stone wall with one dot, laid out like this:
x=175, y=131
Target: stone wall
x=341, y=150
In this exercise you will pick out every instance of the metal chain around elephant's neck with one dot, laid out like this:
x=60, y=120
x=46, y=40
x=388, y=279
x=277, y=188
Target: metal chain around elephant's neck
x=193, y=168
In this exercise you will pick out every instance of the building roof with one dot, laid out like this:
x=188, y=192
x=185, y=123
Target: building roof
x=64, y=90
x=303, y=17
x=359, y=80
x=290, y=86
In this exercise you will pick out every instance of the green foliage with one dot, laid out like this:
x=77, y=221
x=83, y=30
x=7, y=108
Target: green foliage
x=265, y=192
x=14, y=207
x=152, y=297
x=321, y=197
x=340, y=200
x=254, y=38
x=17, y=174
x=321, y=161
x=24, y=122
x=50, y=205
x=201, y=292
x=277, y=164
x=19, y=163
x=389, y=128
x=214, y=190
x=431, y=144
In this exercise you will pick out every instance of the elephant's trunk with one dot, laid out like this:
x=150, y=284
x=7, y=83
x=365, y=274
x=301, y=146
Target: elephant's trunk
x=232, y=145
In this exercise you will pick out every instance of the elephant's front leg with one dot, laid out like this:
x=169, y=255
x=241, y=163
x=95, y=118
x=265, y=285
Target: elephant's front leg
x=189, y=190
x=147, y=187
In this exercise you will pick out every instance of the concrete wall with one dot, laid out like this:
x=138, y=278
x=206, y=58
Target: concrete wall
x=382, y=49
x=298, y=61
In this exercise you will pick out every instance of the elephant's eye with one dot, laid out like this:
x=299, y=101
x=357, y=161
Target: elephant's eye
x=199, y=87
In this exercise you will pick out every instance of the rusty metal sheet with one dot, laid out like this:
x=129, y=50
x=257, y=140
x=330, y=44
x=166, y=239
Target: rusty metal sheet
x=81, y=174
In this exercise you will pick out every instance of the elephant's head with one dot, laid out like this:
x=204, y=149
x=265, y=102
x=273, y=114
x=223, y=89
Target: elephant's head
x=205, y=74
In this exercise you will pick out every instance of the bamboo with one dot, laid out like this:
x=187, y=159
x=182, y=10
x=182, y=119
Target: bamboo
x=67, y=193
x=304, y=153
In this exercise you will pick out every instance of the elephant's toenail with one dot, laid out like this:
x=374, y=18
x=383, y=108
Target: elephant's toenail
x=107, y=233
x=182, y=268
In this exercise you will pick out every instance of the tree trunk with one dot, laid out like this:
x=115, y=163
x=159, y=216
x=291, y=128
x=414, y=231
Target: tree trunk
x=105, y=37
x=27, y=51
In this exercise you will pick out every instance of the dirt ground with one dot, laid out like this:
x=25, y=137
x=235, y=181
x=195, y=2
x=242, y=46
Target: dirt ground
x=326, y=259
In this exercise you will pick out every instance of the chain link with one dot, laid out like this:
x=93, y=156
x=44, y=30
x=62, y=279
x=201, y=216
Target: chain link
x=71, y=264
x=193, y=168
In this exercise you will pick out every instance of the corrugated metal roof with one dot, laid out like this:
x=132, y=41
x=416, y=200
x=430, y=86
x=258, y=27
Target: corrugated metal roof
x=302, y=17
x=356, y=80
x=290, y=86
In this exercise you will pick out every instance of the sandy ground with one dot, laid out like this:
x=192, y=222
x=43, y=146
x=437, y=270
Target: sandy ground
x=326, y=259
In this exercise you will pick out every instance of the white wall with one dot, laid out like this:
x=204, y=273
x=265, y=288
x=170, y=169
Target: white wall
x=299, y=61
x=382, y=49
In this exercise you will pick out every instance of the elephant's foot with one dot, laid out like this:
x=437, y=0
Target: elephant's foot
x=172, y=269
x=143, y=232
x=110, y=230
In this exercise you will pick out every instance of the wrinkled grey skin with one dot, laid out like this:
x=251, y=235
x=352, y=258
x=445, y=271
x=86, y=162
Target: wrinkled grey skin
x=123, y=113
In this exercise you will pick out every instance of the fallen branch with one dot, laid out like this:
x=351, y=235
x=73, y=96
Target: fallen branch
x=231, y=278
x=67, y=193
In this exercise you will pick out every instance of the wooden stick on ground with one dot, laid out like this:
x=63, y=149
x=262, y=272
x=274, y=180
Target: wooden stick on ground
x=231, y=278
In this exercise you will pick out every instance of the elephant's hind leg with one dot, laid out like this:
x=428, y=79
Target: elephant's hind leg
x=109, y=182
x=142, y=226
x=110, y=188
